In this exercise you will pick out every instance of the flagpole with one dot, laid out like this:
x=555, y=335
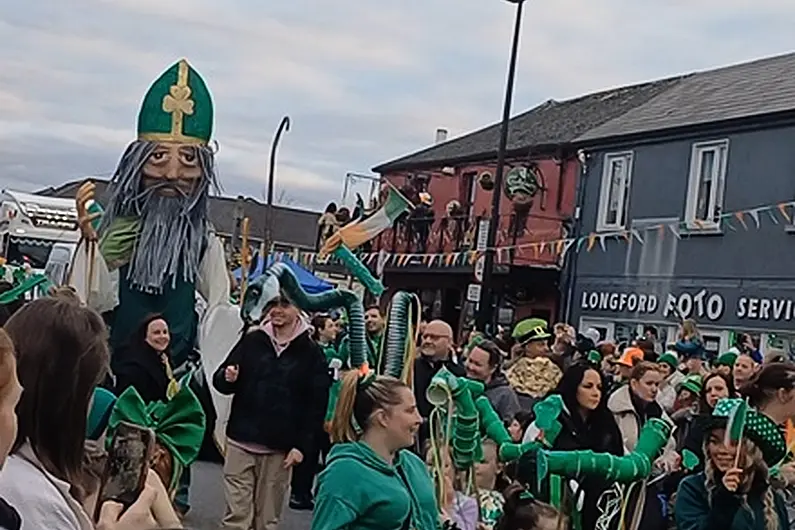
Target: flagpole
x=486, y=316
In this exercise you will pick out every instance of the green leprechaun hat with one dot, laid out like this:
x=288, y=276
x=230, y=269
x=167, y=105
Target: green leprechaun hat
x=178, y=108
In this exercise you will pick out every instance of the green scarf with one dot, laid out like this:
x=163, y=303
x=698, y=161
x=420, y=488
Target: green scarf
x=118, y=242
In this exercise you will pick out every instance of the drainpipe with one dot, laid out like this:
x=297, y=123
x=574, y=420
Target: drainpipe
x=571, y=260
x=561, y=166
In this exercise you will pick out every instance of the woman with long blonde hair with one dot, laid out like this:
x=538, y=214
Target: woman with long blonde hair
x=372, y=481
x=734, y=492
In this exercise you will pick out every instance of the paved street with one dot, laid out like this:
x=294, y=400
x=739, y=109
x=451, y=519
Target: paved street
x=207, y=502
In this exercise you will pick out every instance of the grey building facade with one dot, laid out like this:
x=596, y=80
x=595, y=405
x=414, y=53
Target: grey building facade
x=661, y=189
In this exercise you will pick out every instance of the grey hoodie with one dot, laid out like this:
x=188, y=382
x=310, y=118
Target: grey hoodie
x=502, y=397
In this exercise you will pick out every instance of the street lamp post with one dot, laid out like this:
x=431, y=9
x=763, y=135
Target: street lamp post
x=268, y=242
x=485, y=319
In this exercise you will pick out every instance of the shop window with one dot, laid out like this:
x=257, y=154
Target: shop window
x=781, y=341
x=605, y=329
x=706, y=184
x=614, y=194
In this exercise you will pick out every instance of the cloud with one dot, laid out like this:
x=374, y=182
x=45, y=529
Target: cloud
x=363, y=82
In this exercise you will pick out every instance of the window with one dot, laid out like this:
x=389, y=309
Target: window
x=707, y=181
x=614, y=195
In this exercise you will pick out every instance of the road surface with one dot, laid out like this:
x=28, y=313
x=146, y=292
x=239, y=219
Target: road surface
x=207, y=502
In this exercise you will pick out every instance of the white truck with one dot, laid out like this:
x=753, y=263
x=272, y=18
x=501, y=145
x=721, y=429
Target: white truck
x=38, y=230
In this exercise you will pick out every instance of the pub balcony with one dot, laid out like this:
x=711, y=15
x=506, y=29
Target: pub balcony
x=450, y=234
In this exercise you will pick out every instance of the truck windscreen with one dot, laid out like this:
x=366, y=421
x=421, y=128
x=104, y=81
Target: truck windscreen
x=34, y=251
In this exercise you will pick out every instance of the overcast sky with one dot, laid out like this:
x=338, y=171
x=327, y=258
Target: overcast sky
x=364, y=81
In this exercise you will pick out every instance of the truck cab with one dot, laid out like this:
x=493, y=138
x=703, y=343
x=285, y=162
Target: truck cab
x=34, y=228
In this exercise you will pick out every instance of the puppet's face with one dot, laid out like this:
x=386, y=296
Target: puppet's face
x=173, y=168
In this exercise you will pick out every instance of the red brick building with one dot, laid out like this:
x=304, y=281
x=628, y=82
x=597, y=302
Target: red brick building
x=535, y=209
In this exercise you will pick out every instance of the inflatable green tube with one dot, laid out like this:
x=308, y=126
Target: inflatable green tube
x=397, y=341
x=624, y=469
x=279, y=277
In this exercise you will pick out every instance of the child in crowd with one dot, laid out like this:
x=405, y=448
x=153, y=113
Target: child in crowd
x=524, y=512
x=490, y=499
x=456, y=507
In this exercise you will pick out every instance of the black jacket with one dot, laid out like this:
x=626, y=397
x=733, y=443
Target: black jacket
x=279, y=401
x=424, y=370
x=141, y=367
x=9, y=517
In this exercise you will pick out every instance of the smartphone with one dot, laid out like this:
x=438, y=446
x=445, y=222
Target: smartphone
x=127, y=465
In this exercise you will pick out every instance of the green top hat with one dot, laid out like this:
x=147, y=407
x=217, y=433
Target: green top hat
x=758, y=428
x=177, y=108
x=670, y=358
x=692, y=383
x=727, y=358
x=530, y=329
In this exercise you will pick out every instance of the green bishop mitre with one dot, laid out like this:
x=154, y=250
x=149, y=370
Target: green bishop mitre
x=177, y=108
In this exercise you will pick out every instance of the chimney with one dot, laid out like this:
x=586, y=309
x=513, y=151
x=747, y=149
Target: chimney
x=441, y=135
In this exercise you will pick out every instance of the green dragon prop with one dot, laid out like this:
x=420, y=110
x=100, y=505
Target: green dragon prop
x=403, y=316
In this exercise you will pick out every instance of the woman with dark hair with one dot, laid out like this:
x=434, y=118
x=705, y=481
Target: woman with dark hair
x=586, y=423
x=62, y=355
x=716, y=386
x=772, y=391
x=484, y=364
x=144, y=363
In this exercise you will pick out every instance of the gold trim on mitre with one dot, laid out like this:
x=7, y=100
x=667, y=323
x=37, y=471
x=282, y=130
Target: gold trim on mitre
x=178, y=103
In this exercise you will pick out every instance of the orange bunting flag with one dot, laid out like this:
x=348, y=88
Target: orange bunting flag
x=739, y=216
x=782, y=208
x=591, y=241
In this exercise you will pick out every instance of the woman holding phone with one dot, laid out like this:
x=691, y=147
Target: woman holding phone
x=61, y=355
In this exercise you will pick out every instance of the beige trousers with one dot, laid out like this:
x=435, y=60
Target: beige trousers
x=254, y=487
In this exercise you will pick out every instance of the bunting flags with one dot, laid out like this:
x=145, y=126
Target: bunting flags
x=742, y=220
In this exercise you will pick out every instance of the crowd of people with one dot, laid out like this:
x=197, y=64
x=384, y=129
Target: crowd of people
x=355, y=447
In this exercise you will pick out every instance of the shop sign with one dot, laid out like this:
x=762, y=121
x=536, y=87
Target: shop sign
x=702, y=305
x=699, y=306
x=619, y=302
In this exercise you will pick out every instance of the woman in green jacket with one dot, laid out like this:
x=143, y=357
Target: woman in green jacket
x=372, y=481
x=731, y=493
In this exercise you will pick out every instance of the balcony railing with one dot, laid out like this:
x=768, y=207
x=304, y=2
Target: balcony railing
x=459, y=233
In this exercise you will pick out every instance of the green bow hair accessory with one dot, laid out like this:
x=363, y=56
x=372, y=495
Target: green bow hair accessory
x=178, y=424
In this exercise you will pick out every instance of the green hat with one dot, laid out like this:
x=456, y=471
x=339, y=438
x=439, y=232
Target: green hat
x=98, y=416
x=727, y=358
x=530, y=329
x=594, y=357
x=670, y=358
x=759, y=428
x=692, y=383
x=177, y=108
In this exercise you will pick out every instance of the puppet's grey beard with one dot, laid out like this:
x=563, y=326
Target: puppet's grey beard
x=169, y=242
x=173, y=230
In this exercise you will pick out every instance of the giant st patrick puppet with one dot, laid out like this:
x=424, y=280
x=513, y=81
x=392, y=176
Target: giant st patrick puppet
x=153, y=249
x=156, y=248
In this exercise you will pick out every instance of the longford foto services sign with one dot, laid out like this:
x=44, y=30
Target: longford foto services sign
x=700, y=305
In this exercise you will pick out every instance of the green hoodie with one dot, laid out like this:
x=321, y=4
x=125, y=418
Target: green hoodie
x=359, y=490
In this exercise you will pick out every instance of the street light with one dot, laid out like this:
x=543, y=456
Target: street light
x=268, y=242
x=485, y=319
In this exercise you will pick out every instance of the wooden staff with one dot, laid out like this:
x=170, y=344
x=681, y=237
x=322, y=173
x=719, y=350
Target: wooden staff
x=245, y=258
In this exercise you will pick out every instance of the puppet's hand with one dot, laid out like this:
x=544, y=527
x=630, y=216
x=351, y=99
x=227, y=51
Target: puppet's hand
x=85, y=194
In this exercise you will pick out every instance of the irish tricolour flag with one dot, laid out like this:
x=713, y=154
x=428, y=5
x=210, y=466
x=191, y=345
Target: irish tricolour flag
x=359, y=232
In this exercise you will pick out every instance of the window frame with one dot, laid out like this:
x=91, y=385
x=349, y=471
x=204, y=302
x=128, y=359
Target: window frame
x=604, y=191
x=718, y=191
